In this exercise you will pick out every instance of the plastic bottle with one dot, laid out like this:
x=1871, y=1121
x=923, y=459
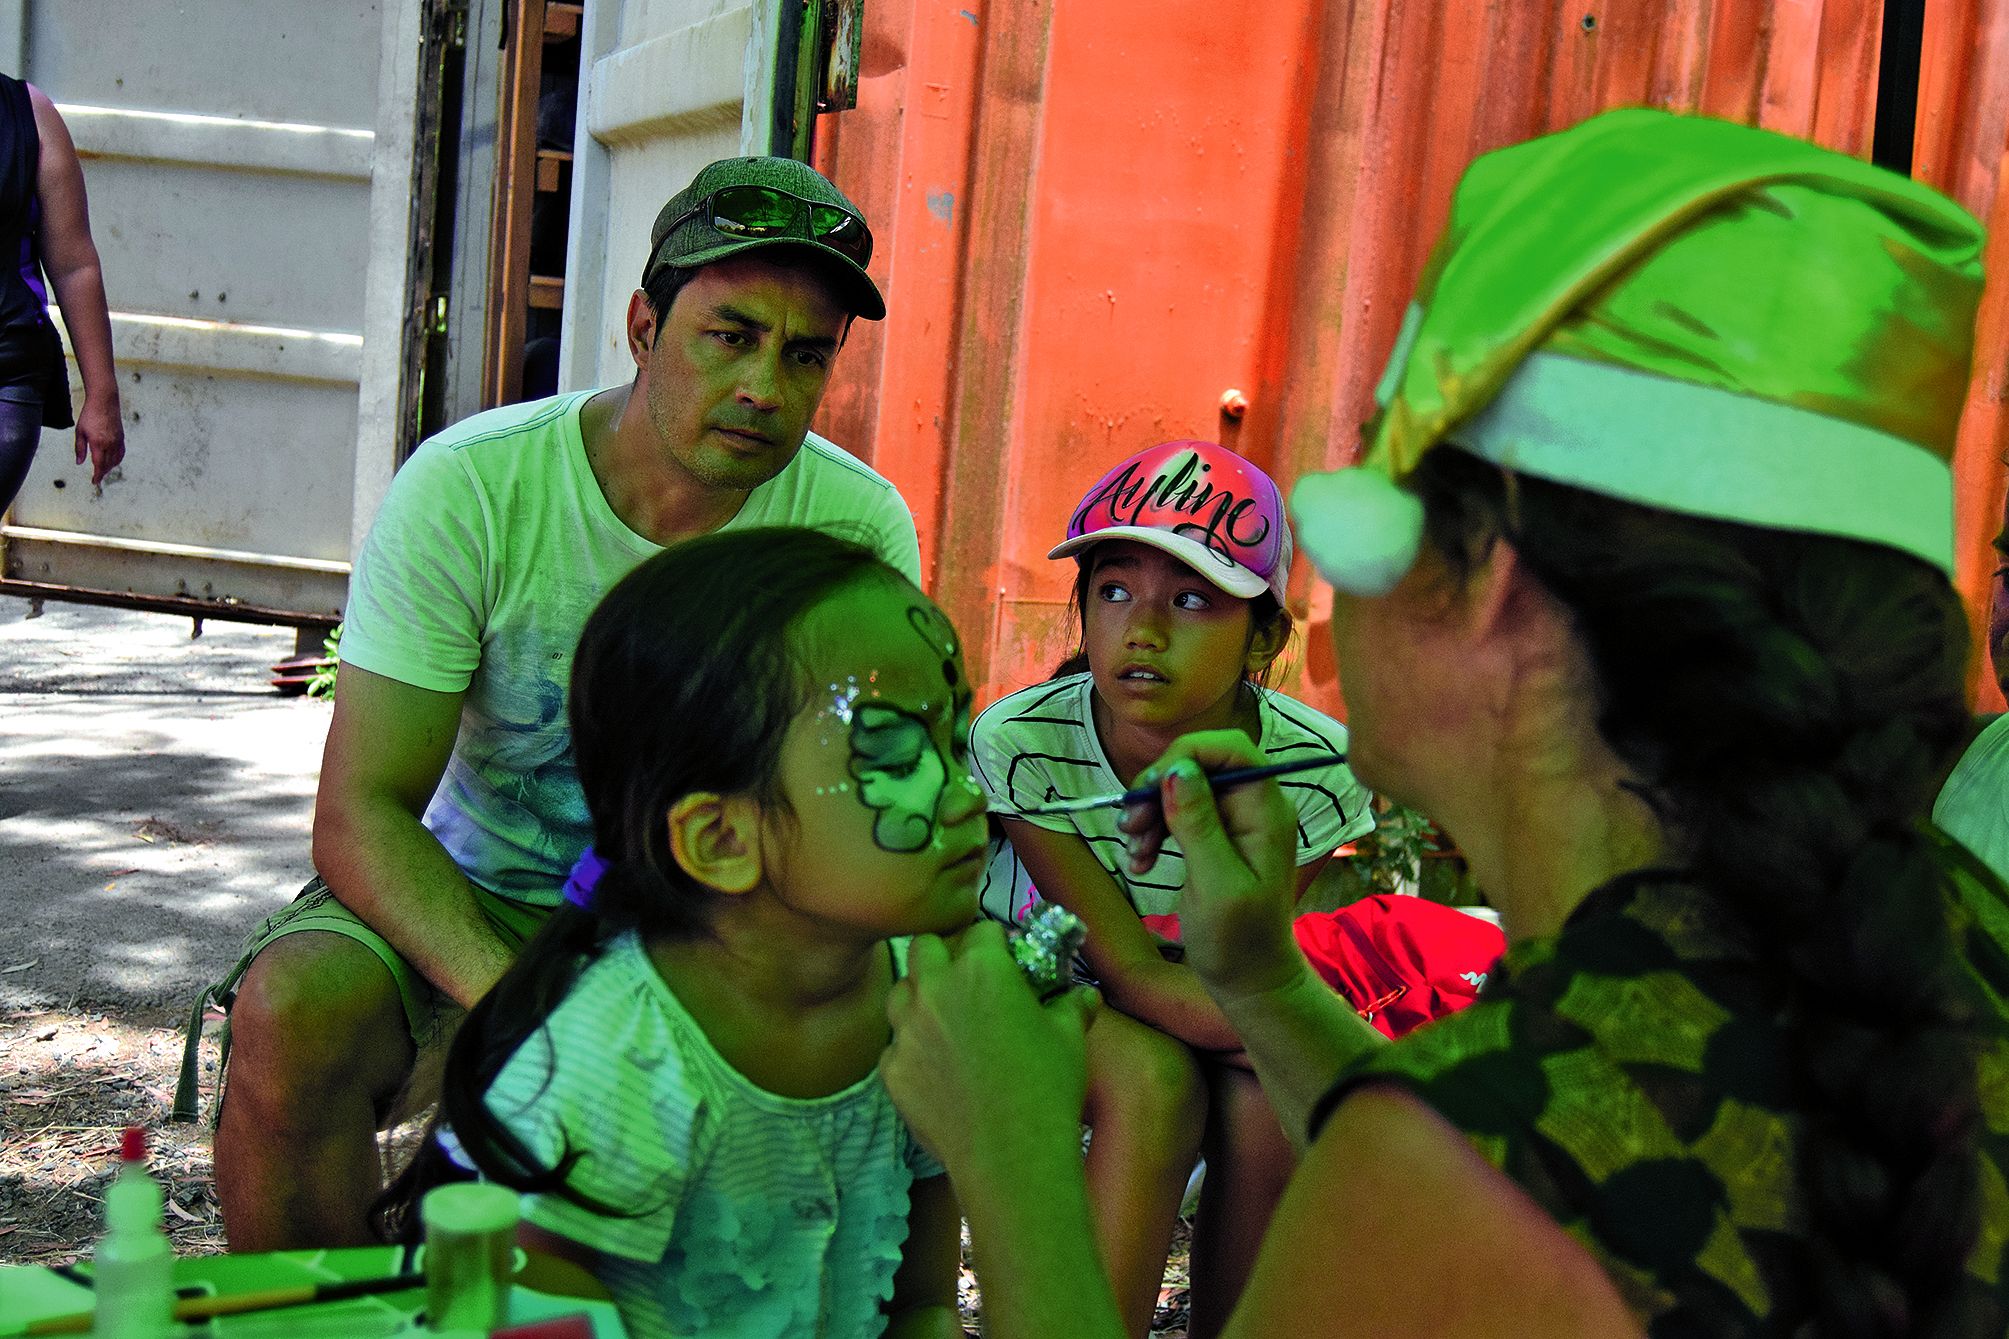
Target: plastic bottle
x=133, y=1271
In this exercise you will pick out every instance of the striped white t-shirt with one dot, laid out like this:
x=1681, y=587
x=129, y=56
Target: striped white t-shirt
x=753, y=1213
x=1039, y=746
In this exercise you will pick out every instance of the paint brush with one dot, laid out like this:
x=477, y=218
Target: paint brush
x=268, y=1299
x=1233, y=776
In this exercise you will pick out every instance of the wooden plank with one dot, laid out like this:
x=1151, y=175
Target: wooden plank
x=550, y=168
x=547, y=292
x=515, y=169
x=561, y=21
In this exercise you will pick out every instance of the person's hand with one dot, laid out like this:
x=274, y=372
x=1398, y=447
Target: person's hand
x=977, y=1065
x=101, y=435
x=1235, y=915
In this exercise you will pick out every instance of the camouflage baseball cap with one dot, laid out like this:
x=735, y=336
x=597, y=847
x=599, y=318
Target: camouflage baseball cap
x=778, y=202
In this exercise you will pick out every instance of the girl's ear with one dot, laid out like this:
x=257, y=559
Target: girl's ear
x=715, y=839
x=1266, y=643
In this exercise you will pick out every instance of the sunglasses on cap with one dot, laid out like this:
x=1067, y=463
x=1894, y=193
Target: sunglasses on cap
x=762, y=211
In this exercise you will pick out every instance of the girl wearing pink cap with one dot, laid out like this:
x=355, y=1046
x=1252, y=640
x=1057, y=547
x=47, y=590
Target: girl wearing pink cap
x=1184, y=552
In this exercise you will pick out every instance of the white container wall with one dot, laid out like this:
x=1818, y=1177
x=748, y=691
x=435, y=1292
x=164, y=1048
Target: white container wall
x=666, y=86
x=249, y=167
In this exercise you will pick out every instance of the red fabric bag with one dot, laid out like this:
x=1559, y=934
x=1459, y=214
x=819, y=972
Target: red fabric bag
x=1401, y=961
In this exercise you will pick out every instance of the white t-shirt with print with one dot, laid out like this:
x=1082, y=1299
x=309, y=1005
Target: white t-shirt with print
x=754, y=1216
x=1039, y=746
x=493, y=545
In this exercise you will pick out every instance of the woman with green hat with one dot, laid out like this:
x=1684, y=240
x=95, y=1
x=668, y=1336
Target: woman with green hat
x=1643, y=596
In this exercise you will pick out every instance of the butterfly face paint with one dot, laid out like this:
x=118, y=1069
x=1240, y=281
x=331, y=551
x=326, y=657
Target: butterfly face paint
x=900, y=774
x=883, y=828
x=900, y=771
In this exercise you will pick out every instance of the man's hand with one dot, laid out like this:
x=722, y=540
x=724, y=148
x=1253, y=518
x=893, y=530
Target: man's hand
x=1235, y=916
x=986, y=1075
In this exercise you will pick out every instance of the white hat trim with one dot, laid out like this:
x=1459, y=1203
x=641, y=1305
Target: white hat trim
x=1705, y=451
x=1217, y=569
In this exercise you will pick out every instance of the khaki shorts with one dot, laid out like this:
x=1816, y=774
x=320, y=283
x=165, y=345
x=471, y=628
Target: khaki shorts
x=317, y=908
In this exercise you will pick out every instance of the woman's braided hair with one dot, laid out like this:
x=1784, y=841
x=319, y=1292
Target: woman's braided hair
x=1790, y=703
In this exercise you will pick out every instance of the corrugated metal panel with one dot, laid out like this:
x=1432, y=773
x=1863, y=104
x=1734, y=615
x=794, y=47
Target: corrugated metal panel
x=1963, y=134
x=1095, y=220
x=250, y=192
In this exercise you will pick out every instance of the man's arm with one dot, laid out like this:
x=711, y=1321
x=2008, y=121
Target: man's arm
x=896, y=540
x=388, y=746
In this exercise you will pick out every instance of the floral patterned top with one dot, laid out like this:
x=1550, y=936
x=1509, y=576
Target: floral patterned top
x=754, y=1216
x=1632, y=1075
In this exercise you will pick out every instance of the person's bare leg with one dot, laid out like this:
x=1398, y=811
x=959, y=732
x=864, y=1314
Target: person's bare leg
x=319, y=1048
x=1146, y=1107
x=1249, y=1161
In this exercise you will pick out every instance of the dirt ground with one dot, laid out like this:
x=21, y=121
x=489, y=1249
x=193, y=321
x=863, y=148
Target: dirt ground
x=70, y=1081
x=155, y=799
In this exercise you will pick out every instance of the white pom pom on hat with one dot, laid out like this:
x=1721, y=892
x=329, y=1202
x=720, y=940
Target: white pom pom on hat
x=1360, y=530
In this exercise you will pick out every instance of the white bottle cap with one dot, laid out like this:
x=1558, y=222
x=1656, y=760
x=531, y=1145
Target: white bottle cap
x=469, y=1206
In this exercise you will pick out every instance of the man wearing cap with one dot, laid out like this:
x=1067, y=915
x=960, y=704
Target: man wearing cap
x=449, y=810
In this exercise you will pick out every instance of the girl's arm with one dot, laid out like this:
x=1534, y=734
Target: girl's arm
x=924, y=1289
x=72, y=262
x=1134, y=976
x=1307, y=875
x=1236, y=915
x=559, y=1265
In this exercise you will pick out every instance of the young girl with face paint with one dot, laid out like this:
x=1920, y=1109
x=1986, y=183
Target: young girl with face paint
x=1183, y=552
x=679, y=1073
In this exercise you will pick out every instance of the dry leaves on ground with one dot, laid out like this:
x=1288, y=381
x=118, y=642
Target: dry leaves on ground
x=70, y=1081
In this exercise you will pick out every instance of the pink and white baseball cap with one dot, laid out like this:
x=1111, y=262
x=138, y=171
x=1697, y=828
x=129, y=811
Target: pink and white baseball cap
x=1199, y=502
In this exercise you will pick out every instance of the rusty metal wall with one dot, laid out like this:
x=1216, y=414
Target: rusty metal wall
x=1963, y=137
x=1099, y=217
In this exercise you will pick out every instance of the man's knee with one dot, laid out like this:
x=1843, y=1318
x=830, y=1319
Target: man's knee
x=318, y=1012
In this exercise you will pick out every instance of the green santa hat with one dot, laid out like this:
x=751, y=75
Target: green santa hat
x=1686, y=314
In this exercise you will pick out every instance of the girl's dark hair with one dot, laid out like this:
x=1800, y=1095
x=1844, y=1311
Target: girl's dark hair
x=686, y=679
x=1790, y=703
x=1265, y=614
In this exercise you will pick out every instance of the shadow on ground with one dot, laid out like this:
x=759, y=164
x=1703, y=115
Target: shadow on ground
x=144, y=826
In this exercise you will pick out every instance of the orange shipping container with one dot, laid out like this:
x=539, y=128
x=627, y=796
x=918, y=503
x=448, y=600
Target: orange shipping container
x=1107, y=224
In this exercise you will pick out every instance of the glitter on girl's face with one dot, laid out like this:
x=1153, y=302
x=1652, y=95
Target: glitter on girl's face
x=843, y=697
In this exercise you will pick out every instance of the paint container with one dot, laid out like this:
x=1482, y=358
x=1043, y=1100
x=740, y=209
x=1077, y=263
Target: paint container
x=470, y=1255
